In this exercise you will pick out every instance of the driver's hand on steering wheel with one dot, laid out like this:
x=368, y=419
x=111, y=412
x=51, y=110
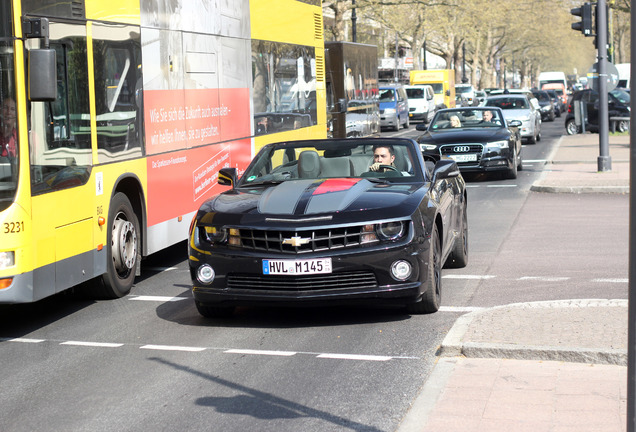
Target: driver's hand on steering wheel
x=376, y=167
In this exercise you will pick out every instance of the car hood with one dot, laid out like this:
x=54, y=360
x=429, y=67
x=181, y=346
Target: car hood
x=343, y=199
x=464, y=136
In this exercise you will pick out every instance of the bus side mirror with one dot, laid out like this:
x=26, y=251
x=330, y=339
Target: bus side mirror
x=341, y=106
x=42, y=75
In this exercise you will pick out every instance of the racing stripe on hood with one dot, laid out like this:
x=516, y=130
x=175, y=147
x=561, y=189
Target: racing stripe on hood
x=283, y=198
x=336, y=195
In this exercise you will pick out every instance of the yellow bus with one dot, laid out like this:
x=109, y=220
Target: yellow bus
x=117, y=116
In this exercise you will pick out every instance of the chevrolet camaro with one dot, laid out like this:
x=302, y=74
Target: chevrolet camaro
x=326, y=222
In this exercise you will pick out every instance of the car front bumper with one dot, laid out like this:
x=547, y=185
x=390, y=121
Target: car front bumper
x=357, y=277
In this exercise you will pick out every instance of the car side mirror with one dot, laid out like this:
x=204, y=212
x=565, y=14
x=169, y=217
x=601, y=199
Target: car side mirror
x=445, y=168
x=447, y=92
x=227, y=177
x=514, y=123
x=421, y=127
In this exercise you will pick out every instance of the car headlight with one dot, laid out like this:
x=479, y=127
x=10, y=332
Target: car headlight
x=545, y=108
x=497, y=144
x=428, y=147
x=389, y=111
x=390, y=230
x=219, y=235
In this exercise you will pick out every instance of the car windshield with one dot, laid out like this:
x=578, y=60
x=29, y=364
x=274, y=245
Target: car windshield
x=508, y=103
x=622, y=96
x=542, y=96
x=463, y=89
x=391, y=160
x=415, y=93
x=467, y=119
x=386, y=95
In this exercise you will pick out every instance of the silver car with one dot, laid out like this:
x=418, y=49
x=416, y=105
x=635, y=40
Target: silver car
x=519, y=107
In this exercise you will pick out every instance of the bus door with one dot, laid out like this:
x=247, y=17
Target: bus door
x=60, y=154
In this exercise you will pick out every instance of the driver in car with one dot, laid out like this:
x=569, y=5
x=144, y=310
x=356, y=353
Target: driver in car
x=382, y=155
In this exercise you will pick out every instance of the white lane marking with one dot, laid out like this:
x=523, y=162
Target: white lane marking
x=545, y=278
x=502, y=186
x=611, y=280
x=460, y=308
x=534, y=161
x=355, y=357
x=93, y=344
x=261, y=352
x=157, y=298
x=475, y=277
x=160, y=269
x=172, y=348
x=23, y=340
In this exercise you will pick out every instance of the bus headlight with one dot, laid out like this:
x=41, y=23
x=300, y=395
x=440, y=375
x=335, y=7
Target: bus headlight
x=7, y=259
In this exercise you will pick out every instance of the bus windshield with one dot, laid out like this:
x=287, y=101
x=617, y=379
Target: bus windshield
x=9, y=151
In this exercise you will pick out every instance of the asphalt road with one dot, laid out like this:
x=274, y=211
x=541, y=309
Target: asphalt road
x=150, y=362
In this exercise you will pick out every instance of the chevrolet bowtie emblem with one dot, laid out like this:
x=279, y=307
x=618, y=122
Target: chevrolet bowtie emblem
x=296, y=241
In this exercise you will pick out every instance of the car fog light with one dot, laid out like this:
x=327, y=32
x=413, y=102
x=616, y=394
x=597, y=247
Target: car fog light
x=205, y=274
x=401, y=270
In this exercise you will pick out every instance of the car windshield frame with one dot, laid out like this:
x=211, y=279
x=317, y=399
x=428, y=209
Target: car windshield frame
x=333, y=159
x=470, y=118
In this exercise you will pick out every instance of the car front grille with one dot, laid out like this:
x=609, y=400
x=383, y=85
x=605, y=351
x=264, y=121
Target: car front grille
x=463, y=149
x=362, y=279
x=298, y=242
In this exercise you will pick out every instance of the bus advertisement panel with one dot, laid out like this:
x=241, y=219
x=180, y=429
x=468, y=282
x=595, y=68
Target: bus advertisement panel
x=115, y=148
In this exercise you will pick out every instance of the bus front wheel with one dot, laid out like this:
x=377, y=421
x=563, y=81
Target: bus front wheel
x=122, y=250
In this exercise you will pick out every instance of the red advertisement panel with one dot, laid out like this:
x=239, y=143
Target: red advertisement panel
x=178, y=182
x=180, y=119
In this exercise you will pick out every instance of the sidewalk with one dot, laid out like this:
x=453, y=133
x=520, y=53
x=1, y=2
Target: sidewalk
x=573, y=166
x=543, y=366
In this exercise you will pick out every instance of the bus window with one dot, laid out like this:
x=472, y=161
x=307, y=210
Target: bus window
x=118, y=87
x=59, y=132
x=286, y=98
x=9, y=151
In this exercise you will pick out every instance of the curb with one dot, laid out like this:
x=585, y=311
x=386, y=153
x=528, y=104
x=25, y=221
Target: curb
x=537, y=187
x=453, y=345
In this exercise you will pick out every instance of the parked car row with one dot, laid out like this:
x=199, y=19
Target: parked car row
x=587, y=102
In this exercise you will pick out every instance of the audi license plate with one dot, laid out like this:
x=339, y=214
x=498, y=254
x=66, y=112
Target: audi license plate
x=464, y=157
x=296, y=267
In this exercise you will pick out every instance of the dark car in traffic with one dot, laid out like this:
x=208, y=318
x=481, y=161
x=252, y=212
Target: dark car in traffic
x=587, y=101
x=546, y=105
x=478, y=144
x=326, y=222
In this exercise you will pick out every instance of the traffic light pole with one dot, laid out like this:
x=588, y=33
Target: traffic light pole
x=604, y=159
x=631, y=308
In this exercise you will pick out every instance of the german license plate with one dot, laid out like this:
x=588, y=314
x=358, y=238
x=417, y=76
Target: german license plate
x=464, y=157
x=296, y=267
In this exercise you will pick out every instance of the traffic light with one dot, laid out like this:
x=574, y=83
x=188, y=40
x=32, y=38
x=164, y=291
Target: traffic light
x=587, y=23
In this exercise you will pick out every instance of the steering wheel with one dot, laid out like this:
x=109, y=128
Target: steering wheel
x=389, y=167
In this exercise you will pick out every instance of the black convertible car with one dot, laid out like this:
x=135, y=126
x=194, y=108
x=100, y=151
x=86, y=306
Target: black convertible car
x=322, y=222
x=479, y=139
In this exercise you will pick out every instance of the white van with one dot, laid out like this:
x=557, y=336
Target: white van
x=421, y=102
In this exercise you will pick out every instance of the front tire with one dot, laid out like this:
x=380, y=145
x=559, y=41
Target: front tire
x=512, y=172
x=459, y=255
x=431, y=298
x=122, y=251
x=571, y=128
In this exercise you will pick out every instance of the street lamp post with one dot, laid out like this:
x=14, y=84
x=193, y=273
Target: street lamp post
x=354, y=19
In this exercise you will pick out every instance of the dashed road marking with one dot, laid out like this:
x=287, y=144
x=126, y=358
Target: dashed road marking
x=545, y=278
x=157, y=298
x=160, y=269
x=610, y=280
x=261, y=352
x=93, y=344
x=502, y=186
x=459, y=308
x=355, y=357
x=23, y=340
x=474, y=277
x=172, y=348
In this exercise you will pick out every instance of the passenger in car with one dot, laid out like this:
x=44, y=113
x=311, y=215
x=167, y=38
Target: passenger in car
x=455, y=122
